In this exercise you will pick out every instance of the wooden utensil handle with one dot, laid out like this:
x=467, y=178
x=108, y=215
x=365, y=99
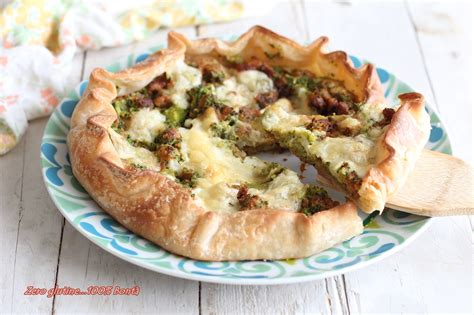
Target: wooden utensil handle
x=440, y=185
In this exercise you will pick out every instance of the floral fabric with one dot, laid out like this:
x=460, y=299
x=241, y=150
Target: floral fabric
x=38, y=40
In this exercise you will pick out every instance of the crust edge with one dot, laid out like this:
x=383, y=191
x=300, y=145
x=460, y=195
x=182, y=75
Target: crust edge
x=363, y=82
x=399, y=150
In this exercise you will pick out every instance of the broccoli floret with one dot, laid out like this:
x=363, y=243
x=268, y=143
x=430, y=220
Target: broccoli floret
x=121, y=107
x=298, y=142
x=126, y=104
x=118, y=126
x=175, y=115
x=225, y=129
x=316, y=199
x=304, y=81
x=201, y=98
x=142, y=144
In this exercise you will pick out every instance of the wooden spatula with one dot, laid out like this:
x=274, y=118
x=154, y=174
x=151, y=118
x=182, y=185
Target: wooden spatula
x=440, y=185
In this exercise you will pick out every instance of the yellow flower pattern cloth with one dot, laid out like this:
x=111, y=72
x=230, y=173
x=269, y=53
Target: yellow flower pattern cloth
x=38, y=40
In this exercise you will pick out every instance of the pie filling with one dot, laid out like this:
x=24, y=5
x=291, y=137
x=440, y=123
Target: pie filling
x=340, y=146
x=198, y=122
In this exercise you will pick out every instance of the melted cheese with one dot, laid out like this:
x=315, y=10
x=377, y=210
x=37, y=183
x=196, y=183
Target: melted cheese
x=358, y=152
x=238, y=91
x=255, y=81
x=300, y=102
x=221, y=174
x=349, y=123
x=217, y=197
x=215, y=160
x=132, y=155
x=280, y=116
x=284, y=192
x=219, y=168
x=146, y=124
x=184, y=77
x=369, y=113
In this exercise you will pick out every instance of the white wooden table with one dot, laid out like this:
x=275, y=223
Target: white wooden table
x=426, y=44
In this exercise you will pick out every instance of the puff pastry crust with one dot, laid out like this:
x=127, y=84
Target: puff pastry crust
x=162, y=211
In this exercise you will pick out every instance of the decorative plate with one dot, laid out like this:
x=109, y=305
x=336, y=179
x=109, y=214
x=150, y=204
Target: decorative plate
x=383, y=235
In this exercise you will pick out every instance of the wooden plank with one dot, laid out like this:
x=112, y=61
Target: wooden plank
x=11, y=181
x=82, y=264
x=107, y=56
x=31, y=224
x=39, y=232
x=377, y=31
x=436, y=264
x=285, y=18
x=428, y=276
x=313, y=297
x=323, y=297
x=445, y=31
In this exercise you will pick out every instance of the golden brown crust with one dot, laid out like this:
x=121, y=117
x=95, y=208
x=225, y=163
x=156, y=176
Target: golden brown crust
x=155, y=207
x=397, y=152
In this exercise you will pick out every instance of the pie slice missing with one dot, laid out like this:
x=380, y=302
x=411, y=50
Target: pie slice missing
x=367, y=152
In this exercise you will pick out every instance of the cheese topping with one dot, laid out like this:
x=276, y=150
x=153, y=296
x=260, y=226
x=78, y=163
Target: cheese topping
x=369, y=113
x=219, y=168
x=221, y=173
x=146, y=124
x=212, y=157
x=284, y=192
x=357, y=153
x=281, y=116
x=184, y=78
x=139, y=156
x=241, y=90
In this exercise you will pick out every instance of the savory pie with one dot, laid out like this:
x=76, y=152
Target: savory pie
x=166, y=146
